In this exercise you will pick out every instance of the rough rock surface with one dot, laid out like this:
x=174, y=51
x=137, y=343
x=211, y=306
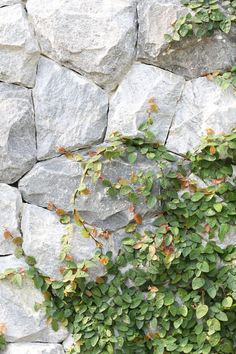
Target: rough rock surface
x=23, y=323
x=70, y=110
x=17, y=133
x=18, y=47
x=10, y=209
x=56, y=180
x=33, y=348
x=9, y=2
x=42, y=240
x=53, y=180
x=189, y=57
x=95, y=38
x=203, y=105
x=129, y=105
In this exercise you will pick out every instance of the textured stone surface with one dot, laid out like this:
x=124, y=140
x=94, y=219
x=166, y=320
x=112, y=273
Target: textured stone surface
x=203, y=105
x=17, y=312
x=129, y=105
x=19, y=50
x=42, y=240
x=9, y=2
x=10, y=209
x=70, y=111
x=33, y=348
x=17, y=133
x=189, y=57
x=56, y=180
x=95, y=38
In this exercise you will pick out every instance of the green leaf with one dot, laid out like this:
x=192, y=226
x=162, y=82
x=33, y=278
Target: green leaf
x=222, y=316
x=151, y=201
x=225, y=25
x=17, y=280
x=197, y=196
x=224, y=228
x=197, y=283
x=132, y=157
x=54, y=325
x=218, y=207
x=201, y=311
x=94, y=340
x=227, y=302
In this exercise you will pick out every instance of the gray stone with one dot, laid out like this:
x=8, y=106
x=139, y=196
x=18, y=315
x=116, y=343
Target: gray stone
x=17, y=133
x=129, y=105
x=203, y=105
x=42, y=236
x=70, y=110
x=191, y=57
x=19, y=50
x=56, y=180
x=17, y=312
x=53, y=181
x=10, y=209
x=33, y=348
x=95, y=38
x=9, y=2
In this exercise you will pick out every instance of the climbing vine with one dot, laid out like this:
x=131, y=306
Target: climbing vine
x=203, y=19
x=172, y=287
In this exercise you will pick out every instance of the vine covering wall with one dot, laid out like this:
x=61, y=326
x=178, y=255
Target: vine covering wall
x=117, y=176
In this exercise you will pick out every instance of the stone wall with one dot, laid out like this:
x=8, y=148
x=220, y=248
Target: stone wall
x=72, y=72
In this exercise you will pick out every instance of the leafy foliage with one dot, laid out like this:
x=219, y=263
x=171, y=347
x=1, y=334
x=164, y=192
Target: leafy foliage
x=172, y=288
x=204, y=18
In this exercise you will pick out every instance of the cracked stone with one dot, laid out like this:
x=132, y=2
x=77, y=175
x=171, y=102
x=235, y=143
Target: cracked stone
x=10, y=209
x=19, y=51
x=203, y=105
x=70, y=110
x=190, y=57
x=95, y=38
x=129, y=105
x=22, y=322
x=17, y=133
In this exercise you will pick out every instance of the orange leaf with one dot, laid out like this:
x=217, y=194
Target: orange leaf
x=210, y=131
x=212, y=150
x=217, y=180
x=104, y=260
x=50, y=206
x=153, y=289
x=207, y=228
x=131, y=208
x=69, y=258
x=2, y=328
x=138, y=219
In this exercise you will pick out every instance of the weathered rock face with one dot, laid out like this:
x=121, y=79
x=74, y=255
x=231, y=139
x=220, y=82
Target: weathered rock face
x=189, y=57
x=203, y=105
x=33, y=348
x=10, y=209
x=70, y=111
x=17, y=133
x=95, y=38
x=43, y=240
x=19, y=49
x=22, y=322
x=129, y=105
x=9, y=2
x=56, y=180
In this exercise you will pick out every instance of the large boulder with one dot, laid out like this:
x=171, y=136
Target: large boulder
x=129, y=105
x=203, y=105
x=33, y=348
x=42, y=239
x=70, y=110
x=17, y=133
x=95, y=38
x=17, y=312
x=19, y=50
x=191, y=57
x=10, y=209
x=56, y=180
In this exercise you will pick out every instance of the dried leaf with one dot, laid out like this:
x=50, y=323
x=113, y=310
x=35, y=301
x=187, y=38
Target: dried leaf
x=138, y=219
x=212, y=150
x=60, y=212
x=7, y=235
x=210, y=131
x=104, y=260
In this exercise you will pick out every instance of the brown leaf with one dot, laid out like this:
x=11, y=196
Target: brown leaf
x=152, y=250
x=104, y=260
x=153, y=289
x=138, y=219
x=99, y=280
x=138, y=245
x=207, y=228
x=131, y=208
x=2, y=328
x=217, y=180
x=51, y=206
x=7, y=235
x=60, y=212
x=88, y=293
